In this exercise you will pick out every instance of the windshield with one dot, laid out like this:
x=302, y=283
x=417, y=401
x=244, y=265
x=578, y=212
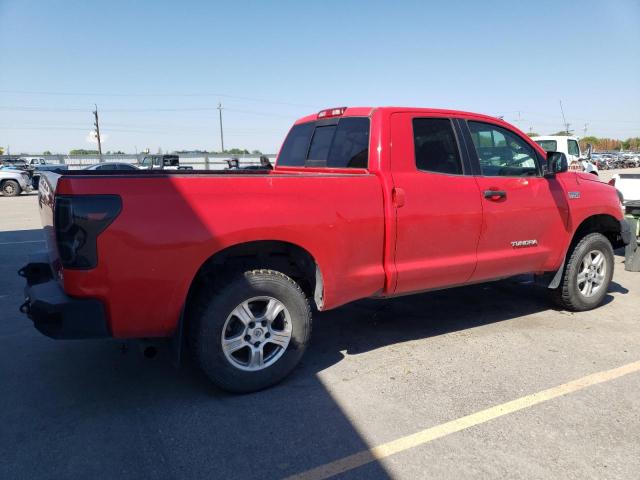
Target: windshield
x=548, y=145
x=343, y=143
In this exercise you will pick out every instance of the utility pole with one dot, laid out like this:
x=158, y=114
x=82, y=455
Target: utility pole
x=97, y=124
x=221, y=135
x=566, y=125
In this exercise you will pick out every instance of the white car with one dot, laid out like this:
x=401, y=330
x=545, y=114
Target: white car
x=571, y=148
x=13, y=182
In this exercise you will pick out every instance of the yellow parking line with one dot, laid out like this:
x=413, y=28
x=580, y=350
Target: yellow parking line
x=425, y=436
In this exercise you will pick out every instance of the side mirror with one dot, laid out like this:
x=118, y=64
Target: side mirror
x=556, y=163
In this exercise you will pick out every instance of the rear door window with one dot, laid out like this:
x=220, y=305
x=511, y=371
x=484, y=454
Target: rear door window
x=343, y=143
x=435, y=146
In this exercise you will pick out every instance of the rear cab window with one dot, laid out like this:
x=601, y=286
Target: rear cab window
x=331, y=143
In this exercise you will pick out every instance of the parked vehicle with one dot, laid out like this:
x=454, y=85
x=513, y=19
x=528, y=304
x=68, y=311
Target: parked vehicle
x=265, y=164
x=17, y=163
x=111, y=166
x=571, y=148
x=40, y=164
x=14, y=181
x=162, y=162
x=362, y=202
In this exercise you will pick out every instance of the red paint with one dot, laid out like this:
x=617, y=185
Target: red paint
x=385, y=230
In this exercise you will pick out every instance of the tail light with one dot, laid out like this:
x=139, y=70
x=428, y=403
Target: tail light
x=78, y=220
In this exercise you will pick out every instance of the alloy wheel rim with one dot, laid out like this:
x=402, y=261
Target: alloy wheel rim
x=256, y=333
x=593, y=270
x=8, y=188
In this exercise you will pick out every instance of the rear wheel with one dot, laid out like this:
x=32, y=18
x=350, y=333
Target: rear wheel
x=587, y=274
x=250, y=334
x=10, y=188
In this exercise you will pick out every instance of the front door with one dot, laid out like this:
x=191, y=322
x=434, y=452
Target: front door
x=438, y=204
x=524, y=214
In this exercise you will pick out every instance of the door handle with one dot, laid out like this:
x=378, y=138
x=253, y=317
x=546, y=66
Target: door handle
x=495, y=195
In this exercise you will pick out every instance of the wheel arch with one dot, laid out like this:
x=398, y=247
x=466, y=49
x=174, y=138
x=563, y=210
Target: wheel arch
x=602, y=223
x=288, y=258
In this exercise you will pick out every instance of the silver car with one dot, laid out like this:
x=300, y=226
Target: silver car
x=13, y=182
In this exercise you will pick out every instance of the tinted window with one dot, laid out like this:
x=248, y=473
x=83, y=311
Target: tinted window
x=124, y=166
x=146, y=161
x=548, y=145
x=321, y=143
x=501, y=152
x=573, y=148
x=435, y=146
x=343, y=144
x=295, y=147
x=170, y=160
x=350, y=147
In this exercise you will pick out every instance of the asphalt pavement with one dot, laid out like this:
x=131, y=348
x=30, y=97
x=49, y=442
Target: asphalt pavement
x=376, y=373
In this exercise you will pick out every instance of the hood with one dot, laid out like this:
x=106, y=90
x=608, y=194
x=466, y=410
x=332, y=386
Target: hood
x=587, y=176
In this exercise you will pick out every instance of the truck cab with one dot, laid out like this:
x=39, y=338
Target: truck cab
x=570, y=146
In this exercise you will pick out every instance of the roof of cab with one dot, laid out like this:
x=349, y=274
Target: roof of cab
x=368, y=111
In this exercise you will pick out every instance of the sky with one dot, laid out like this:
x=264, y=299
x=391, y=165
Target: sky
x=157, y=70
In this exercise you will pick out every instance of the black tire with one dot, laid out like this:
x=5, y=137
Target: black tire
x=568, y=294
x=210, y=316
x=11, y=188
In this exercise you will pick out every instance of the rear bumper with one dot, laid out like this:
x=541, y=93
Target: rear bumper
x=56, y=314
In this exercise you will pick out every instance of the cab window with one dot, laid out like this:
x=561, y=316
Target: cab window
x=573, y=148
x=343, y=143
x=435, y=146
x=502, y=153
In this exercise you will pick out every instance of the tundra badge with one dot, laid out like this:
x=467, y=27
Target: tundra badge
x=524, y=243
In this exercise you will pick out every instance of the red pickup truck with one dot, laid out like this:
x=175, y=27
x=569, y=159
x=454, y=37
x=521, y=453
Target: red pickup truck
x=362, y=202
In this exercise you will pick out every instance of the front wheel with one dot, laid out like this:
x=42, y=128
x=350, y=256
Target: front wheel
x=252, y=333
x=587, y=274
x=10, y=188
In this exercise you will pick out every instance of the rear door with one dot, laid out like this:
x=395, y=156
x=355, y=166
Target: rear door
x=437, y=201
x=524, y=214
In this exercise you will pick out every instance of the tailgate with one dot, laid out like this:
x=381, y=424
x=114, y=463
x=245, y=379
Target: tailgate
x=629, y=186
x=46, y=197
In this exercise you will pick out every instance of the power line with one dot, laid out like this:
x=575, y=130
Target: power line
x=151, y=95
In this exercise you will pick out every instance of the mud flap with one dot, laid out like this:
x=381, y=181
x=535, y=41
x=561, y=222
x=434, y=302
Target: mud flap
x=631, y=251
x=557, y=278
